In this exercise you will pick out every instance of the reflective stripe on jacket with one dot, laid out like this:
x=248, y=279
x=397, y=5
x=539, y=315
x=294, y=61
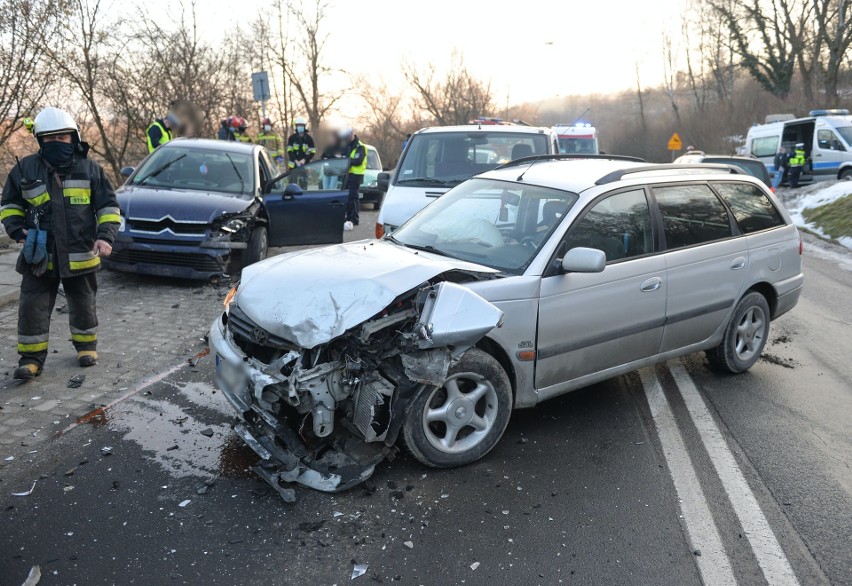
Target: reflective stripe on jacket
x=357, y=157
x=75, y=207
x=300, y=146
x=273, y=144
x=798, y=158
x=157, y=134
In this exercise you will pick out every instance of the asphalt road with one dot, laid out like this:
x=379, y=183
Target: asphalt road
x=673, y=475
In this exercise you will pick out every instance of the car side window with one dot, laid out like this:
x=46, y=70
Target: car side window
x=828, y=141
x=752, y=209
x=692, y=214
x=620, y=225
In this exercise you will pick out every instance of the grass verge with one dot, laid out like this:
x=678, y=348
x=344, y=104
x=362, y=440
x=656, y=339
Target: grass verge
x=835, y=218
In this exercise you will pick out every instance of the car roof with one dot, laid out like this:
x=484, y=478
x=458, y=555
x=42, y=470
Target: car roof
x=577, y=175
x=486, y=128
x=213, y=145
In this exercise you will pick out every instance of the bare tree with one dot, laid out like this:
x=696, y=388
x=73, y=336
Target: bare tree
x=26, y=72
x=670, y=73
x=833, y=33
x=455, y=98
x=640, y=98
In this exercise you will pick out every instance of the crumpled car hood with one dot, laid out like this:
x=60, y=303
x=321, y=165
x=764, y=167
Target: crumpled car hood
x=311, y=297
x=182, y=206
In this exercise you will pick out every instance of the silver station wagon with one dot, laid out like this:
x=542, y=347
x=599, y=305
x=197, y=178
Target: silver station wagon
x=523, y=283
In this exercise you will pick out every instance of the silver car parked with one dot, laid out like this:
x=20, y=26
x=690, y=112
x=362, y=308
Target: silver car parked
x=526, y=282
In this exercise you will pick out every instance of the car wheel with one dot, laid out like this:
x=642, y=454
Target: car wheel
x=460, y=421
x=258, y=246
x=745, y=335
x=846, y=175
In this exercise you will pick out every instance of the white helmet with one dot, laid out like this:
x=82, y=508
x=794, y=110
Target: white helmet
x=300, y=121
x=55, y=121
x=344, y=132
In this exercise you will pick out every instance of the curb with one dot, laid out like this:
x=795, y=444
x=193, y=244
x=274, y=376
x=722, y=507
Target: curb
x=10, y=297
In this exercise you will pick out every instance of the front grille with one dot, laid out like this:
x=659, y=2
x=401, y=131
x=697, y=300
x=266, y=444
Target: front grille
x=199, y=262
x=246, y=332
x=169, y=242
x=159, y=226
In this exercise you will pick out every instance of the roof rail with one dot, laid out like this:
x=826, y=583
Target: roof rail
x=568, y=157
x=619, y=174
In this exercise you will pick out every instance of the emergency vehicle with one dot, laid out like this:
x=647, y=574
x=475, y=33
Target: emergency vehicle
x=579, y=138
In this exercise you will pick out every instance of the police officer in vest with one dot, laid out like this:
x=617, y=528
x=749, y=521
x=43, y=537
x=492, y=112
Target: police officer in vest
x=797, y=164
x=160, y=131
x=357, y=154
x=271, y=141
x=61, y=206
x=300, y=145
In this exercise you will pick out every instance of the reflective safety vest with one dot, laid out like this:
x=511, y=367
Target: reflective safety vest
x=362, y=168
x=165, y=136
x=798, y=158
x=75, y=210
x=273, y=144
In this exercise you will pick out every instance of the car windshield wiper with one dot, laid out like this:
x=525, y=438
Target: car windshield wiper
x=160, y=169
x=449, y=183
x=424, y=248
x=237, y=171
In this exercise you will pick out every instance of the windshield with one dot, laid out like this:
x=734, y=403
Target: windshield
x=573, y=146
x=498, y=224
x=373, y=160
x=846, y=133
x=448, y=158
x=185, y=167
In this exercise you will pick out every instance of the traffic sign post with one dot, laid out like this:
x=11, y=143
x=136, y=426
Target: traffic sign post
x=675, y=144
x=260, y=87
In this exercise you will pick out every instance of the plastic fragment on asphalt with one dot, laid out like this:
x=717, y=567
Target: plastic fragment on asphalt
x=474, y=565
x=337, y=514
x=68, y=488
x=28, y=492
x=207, y=432
x=408, y=544
x=184, y=503
x=33, y=577
x=106, y=451
x=76, y=381
x=359, y=570
x=10, y=458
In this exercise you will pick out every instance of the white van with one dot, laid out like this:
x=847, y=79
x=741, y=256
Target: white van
x=438, y=158
x=580, y=138
x=826, y=134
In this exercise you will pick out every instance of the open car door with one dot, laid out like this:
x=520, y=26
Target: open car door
x=308, y=204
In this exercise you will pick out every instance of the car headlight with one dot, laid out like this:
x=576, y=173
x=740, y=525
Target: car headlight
x=229, y=298
x=233, y=226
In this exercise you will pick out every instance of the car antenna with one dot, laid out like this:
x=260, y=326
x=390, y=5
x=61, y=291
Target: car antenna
x=580, y=117
x=533, y=162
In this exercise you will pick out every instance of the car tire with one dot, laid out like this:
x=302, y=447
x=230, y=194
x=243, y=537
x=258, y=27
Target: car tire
x=745, y=336
x=258, y=246
x=846, y=175
x=478, y=423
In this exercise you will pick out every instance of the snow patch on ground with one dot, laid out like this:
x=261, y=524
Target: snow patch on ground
x=814, y=196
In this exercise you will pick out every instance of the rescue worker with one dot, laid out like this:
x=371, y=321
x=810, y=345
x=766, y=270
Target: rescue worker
x=61, y=205
x=160, y=131
x=300, y=145
x=357, y=154
x=271, y=141
x=241, y=130
x=797, y=164
x=781, y=161
x=226, y=132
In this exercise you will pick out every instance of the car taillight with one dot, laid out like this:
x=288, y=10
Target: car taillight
x=800, y=245
x=380, y=230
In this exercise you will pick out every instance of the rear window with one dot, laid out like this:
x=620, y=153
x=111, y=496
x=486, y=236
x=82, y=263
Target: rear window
x=765, y=146
x=754, y=168
x=373, y=161
x=692, y=214
x=752, y=209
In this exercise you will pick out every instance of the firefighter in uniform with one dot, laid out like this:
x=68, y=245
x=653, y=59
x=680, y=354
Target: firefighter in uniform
x=357, y=153
x=61, y=205
x=300, y=145
x=241, y=132
x=797, y=164
x=271, y=141
x=159, y=132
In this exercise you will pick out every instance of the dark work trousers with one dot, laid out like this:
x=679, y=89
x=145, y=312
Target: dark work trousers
x=795, y=173
x=38, y=296
x=353, y=205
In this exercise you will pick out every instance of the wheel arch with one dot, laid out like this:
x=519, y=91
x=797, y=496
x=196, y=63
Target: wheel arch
x=496, y=351
x=769, y=293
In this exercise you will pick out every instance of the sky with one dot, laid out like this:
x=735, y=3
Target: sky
x=528, y=49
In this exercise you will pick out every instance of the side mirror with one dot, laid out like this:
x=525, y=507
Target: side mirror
x=584, y=260
x=383, y=182
x=127, y=171
x=292, y=189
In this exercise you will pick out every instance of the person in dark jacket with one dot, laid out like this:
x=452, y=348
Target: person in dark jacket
x=61, y=206
x=357, y=154
x=781, y=163
x=300, y=145
x=161, y=131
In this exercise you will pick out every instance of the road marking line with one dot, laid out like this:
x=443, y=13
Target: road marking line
x=771, y=558
x=713, y=563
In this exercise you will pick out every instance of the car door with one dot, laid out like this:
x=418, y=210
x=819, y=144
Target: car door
x=828, y=153
x=706, y=264
x=590, y=322
x=312, y=211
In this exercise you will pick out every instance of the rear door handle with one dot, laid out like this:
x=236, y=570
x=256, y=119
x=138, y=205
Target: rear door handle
x=738, y=263
x=651, y=284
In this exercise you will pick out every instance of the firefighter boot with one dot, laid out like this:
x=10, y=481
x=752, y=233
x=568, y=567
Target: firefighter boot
x=87, y=358
x=27, y=372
